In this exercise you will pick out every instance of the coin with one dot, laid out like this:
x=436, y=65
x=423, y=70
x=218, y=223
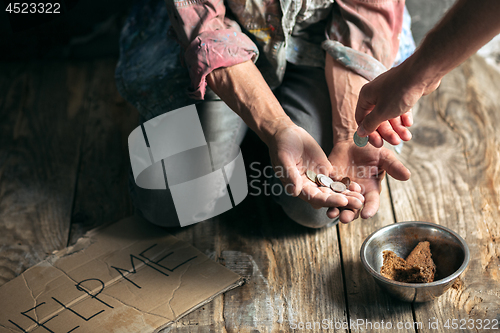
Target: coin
x=359, y=141
x=338, y=187
x=324, y=180
x=346, y=181
x=311, y=175
x=317, y=181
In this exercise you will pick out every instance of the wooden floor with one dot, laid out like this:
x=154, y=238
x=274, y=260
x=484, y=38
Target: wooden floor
x=63, y=171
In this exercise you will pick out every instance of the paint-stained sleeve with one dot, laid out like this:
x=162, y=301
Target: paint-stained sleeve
x=210, y=40
x=367, y=32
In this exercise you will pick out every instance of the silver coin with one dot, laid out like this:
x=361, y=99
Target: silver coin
x=318, y=177
x=359, y=141
x=398, y=147
x=324, y=180
x=311, y=175
x=338, y=187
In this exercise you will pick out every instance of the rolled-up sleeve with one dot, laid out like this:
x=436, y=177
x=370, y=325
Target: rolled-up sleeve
x=209, y=39
x=369, y=27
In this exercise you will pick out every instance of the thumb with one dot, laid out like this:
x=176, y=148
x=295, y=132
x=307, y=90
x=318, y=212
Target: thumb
x=393, y=166
x=367, y=102
x=290, y=175
x=371, y=122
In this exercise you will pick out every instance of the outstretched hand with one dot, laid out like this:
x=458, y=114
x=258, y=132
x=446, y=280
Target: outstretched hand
x=293, y=151
x=367, y=167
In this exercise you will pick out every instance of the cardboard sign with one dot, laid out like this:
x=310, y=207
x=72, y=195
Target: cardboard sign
x=128, y=277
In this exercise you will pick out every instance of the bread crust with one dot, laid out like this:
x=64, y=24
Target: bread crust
x=417, y=268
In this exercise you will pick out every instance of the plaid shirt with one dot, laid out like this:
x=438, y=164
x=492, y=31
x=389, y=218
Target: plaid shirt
x=287, y=30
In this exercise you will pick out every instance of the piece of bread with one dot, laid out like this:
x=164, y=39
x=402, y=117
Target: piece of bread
x=417, y=268
x=421, y=257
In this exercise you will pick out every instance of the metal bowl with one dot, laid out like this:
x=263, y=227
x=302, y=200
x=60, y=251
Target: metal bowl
x=449, y=252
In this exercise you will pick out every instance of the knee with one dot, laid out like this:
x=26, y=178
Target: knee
x=153, y=209
x=304, y=214
x=156, y=206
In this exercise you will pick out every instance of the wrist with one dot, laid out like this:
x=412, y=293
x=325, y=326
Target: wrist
x=251, y=98
x=343, y=134
x=268, y=128
x=422, y=71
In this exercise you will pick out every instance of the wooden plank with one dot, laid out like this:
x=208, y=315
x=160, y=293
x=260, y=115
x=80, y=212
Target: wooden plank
x=295, y=274
x=39, y=152
x=102, y=194
x=455, y=159
x=368, y=305
x=209, y=239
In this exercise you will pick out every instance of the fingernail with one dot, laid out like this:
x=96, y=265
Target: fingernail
x=361, y=131
x=410, y=135
x=410, y=119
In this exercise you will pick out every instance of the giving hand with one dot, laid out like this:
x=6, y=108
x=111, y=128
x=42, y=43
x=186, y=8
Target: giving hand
x=384, y=108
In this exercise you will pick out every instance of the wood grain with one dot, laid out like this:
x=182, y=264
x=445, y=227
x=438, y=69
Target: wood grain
x=63, y=159
x=366, y=302
x=455, y=159
x=102, y=188
x=293, y=273
x=39, y=152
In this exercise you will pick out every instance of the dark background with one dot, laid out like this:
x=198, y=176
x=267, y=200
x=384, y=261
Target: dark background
x=90, y=29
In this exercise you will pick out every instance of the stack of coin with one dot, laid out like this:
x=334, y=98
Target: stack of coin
x=326, y=181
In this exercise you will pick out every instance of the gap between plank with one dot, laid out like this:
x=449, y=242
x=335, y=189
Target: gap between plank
x=395, y=221
x=391, y=199
x=88, y=82
x=343, y=277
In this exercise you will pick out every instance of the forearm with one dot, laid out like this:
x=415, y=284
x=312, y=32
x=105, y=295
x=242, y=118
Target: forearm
x=245, y=91
x=467, y=26
x=343, y=86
